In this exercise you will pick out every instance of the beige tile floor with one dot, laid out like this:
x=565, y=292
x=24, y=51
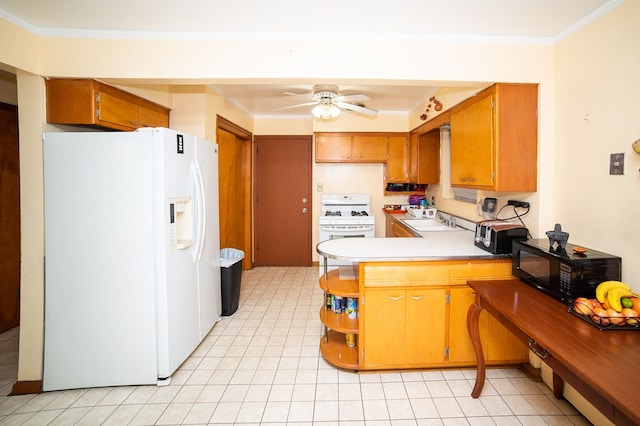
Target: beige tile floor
x=262, y=366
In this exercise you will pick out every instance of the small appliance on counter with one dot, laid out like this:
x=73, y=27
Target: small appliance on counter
x=497, y=236
x=564, y=273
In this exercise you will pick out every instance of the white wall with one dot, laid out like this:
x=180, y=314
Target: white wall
x=596, y=91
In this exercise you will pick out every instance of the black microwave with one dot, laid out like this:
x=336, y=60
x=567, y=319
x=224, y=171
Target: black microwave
x=563, y=273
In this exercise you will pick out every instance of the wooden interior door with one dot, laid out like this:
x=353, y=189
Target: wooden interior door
x=283, y=200
x=234, y=182
x=9, y=218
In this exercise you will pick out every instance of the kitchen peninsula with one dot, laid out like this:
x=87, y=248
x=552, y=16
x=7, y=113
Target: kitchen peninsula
x=412, y=300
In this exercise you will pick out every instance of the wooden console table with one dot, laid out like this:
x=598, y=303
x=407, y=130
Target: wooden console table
x=603, y=366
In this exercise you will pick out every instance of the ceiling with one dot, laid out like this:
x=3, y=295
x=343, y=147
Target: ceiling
x=511, y=21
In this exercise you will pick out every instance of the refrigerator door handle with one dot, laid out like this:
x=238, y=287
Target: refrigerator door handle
x=201, y=211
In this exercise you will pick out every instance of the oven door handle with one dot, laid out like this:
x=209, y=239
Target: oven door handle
x=348, y=228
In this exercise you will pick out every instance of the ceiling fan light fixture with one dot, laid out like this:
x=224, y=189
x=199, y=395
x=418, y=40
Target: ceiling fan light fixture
x=325, y=111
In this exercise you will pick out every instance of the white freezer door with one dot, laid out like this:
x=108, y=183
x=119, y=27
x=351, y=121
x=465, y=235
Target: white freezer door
x=178, y=319
x=100, y=305
x=210, y=307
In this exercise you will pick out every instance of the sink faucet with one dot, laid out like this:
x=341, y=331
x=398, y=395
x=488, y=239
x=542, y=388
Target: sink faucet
x=451, y=221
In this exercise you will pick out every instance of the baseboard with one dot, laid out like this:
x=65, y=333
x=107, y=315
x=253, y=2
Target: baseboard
x=24, y=387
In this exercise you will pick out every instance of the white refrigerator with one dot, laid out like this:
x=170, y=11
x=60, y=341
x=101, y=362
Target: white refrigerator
x=132, y=255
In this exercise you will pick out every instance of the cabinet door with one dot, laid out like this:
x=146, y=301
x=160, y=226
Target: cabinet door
x=116, y=110
x=460, y=347
x=370, y=149
x=399, y=231
x=502, y=345
x=153, y=118
x=413, y=157
x=397, y=169
x=425, y=329
x=384, y=327
x=429, y=157
x=333, y=149
x=472, y=147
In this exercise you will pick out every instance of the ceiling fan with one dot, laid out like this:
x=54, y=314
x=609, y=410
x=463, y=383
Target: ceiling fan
x=328, y=102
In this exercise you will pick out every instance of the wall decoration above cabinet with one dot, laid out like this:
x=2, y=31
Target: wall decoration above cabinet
x=494, y=139
x=93, y=103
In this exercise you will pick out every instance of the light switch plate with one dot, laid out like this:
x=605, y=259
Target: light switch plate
x=616, y=164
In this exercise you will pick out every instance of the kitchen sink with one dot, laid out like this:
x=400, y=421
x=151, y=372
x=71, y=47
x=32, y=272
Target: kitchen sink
x=428, y=225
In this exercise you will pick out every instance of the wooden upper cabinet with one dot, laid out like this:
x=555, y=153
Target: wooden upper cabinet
x=494, y=139
x=351, y=148
x=370, y=149
x=93, y=103
x=428, y=157
x=333, y=148
x=397, y=169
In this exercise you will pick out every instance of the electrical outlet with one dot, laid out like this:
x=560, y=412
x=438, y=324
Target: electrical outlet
x=616, y=164
x=319, y=187
x=515, y=203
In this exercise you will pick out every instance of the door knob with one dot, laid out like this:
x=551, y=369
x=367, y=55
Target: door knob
x=304, y=200
x=304, y=210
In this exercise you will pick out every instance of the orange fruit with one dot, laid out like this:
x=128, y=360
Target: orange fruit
x=636, y=304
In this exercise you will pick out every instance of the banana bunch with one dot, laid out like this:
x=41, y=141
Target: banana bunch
x=613, y=292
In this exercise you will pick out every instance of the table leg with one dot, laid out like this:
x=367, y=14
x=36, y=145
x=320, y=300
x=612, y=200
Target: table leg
x=558, y=386
x=473, y=315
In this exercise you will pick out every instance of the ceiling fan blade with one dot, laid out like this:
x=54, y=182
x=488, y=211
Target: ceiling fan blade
x=356, y=108
x=306, y=94
x=296, y=106
x=356, y=97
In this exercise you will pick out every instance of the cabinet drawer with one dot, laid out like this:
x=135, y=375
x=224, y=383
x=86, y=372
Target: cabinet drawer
x=406, y=274
x=490, y=269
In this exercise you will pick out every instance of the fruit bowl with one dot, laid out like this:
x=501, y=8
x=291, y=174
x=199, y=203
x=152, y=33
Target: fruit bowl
x=603, y=319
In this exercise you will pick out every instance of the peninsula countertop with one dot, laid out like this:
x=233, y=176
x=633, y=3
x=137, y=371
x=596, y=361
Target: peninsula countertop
x=447, y=245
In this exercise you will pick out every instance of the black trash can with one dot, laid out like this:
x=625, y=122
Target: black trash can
x=230, y=275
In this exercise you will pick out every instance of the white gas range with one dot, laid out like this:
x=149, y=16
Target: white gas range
x=344, y=216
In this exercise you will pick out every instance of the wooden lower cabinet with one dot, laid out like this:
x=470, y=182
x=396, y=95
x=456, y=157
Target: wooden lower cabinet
x=393, y=228
x=408, y=327
x=413, y=315
x=460, y=347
